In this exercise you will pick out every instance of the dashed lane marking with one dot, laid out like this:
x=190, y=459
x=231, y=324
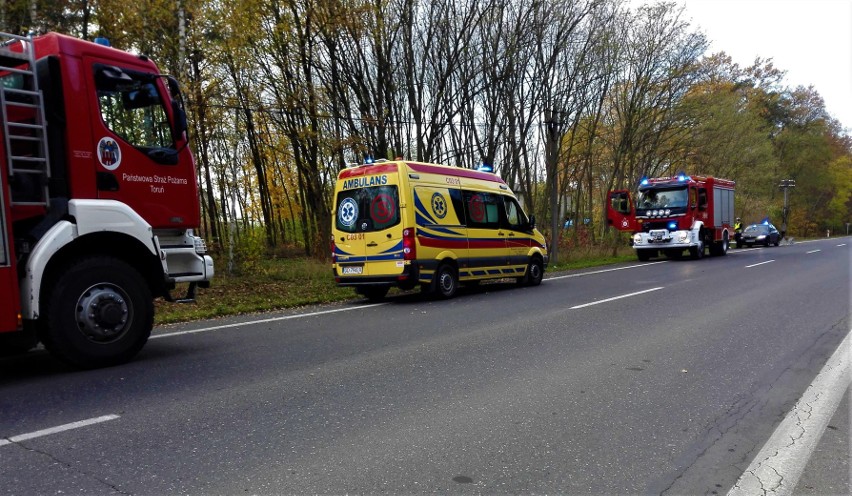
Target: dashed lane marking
x=812, y=251
x=615, y=298
x=761, y=263
x=605, y=270
x=59, y=428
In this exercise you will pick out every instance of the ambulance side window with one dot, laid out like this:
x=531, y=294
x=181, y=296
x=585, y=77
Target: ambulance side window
x=482, y=210
x=515, y=218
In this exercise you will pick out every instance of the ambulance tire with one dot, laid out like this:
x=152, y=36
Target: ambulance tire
x=535, y=272
x=446, y=281
x=374, y=293
x=99, y=313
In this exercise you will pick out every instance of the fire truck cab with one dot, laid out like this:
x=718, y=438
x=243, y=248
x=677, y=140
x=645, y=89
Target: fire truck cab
x=98, y=198
x=668, y=215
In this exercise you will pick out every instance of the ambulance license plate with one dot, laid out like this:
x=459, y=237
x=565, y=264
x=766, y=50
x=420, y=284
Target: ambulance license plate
x=352, y=269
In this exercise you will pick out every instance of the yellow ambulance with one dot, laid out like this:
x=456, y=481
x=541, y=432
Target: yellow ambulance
x=407, y=223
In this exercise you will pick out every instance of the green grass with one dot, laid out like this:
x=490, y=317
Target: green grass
x=293, y=282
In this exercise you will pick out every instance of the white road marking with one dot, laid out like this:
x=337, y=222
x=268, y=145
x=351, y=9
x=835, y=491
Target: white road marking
x=842, y=244
x=615, y=298
x=761, y=263
x=263, y=321
x=778, y=466
x=59, y=428
x=605, y=270
x=812, y=251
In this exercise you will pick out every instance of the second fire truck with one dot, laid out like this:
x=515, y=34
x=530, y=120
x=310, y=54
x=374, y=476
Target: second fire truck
x=670, y=215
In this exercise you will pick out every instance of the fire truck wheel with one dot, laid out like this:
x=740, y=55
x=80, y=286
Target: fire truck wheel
x=535, y=272
x=99, y=313
x=643, y=255
x=697, y=252
x=446, y=281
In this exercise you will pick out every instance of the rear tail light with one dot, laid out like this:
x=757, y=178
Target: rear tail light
x=331, y=247
x=409, y=244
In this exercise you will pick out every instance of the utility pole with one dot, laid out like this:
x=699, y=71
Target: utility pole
x=785, y=185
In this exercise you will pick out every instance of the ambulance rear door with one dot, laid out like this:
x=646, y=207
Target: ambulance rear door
x=368, y=223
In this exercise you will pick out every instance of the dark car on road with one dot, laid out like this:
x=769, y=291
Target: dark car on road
x=761, y=234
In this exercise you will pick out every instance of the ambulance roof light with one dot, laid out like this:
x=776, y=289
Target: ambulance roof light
x=485, y=168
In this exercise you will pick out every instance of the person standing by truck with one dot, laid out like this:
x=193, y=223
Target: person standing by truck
x=738, y=231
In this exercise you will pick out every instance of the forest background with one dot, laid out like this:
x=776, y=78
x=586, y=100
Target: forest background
x=567, y=99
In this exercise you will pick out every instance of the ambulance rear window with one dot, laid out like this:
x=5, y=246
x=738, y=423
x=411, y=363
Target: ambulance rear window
x=367, y=209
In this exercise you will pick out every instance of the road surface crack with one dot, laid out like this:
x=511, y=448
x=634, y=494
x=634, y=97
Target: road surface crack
x=69, y=466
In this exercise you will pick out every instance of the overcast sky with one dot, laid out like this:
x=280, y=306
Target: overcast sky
x=809, y=39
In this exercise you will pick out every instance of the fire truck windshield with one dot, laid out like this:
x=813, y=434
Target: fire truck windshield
x=662, y=198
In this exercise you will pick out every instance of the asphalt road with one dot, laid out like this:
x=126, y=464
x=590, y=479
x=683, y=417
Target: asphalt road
x=651, y=378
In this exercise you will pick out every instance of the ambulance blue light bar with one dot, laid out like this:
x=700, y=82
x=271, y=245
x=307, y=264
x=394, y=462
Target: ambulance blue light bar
x=485, y=168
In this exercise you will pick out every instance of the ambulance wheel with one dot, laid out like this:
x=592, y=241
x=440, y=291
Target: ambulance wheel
x=535, y=272
x=374, y=293
x=99, y=312
x=446, y=281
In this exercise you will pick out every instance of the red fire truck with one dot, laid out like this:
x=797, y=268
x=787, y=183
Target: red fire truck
x=98, y=199
x=671, y=214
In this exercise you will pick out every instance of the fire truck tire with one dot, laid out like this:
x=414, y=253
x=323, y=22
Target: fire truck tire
x=643, y=255
x=697, y=252
x=446, y=281
x=99, y=312
x=535, y=272
x=720, y=248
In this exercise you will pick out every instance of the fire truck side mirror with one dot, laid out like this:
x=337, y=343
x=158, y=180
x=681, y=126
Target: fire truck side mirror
x=180, y=125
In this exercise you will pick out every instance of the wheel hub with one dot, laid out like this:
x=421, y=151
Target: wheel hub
x=103, y=313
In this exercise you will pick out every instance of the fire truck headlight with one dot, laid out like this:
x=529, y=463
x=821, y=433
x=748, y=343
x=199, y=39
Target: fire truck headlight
x=683, y=237
x=637, y=239
x=200, y=246
x=668, y=211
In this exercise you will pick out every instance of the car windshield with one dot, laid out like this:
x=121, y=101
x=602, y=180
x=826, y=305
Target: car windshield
x=757, y=228
x=665, y=198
